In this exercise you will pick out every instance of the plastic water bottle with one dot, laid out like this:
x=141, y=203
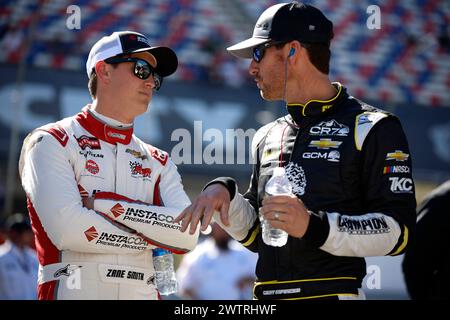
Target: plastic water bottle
x=277, y=185
x=166, y=281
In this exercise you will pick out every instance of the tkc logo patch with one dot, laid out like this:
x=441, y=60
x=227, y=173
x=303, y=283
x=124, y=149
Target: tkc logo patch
x=401, y=185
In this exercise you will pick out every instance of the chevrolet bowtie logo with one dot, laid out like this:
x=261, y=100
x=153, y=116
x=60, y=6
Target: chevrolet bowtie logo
x=325, y=144
x=136, y=154
x=397, y=156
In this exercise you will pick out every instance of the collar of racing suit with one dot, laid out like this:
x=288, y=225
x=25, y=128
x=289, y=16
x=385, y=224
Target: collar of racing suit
x=110, y=121
x=102, y=130
x=317, y=107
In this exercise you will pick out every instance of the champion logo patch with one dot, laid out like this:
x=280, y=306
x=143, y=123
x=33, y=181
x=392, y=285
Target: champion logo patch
x=91, y=234
x=117, y=210
x=355, y=225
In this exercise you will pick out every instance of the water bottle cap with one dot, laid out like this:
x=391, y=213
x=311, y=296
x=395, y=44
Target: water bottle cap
x=159, y=252
x=278, y=172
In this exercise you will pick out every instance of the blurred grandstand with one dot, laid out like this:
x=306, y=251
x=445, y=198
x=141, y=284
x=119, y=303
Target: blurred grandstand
x=406, y=61
x=403, y=67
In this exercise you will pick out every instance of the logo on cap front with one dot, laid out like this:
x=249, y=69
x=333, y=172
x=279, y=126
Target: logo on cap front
x=264, y=26
x=144, y=40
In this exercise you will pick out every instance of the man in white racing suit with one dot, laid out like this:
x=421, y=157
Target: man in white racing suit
x=99, y=198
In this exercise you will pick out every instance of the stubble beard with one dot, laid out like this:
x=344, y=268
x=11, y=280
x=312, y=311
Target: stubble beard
x=270, y=94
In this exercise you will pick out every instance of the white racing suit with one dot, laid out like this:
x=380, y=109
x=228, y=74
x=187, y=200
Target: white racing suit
x=105, y=253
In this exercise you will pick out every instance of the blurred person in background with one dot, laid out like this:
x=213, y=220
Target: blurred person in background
x=94, y=189
x=426, y=265
x=348, y=164
x=219, y=268
x=18, y=262
x=2, y=234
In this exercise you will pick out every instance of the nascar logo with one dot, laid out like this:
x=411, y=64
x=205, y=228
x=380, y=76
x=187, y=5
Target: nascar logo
x=398, y=155
x=325, y=144
x=396, y=169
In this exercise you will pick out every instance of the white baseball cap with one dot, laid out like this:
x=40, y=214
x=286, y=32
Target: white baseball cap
x=126, y=42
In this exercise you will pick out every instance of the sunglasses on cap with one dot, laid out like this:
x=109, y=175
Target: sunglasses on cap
x=142, y=69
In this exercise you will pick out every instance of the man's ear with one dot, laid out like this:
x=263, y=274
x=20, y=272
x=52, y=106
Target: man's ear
x=103, y=71
x=294, y=50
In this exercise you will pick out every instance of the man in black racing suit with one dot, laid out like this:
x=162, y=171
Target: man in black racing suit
x=348, y=163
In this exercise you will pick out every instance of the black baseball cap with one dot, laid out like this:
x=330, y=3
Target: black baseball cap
x=126, y=42
x=286, y=22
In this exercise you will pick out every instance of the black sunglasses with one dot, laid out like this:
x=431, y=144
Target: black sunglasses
x=258, y=52
x=142, y=69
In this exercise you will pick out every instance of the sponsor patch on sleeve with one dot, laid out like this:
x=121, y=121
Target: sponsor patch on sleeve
x=363, y=226
x=397, y=155
x=159, y=155
x=396, y=169
x=401, y=185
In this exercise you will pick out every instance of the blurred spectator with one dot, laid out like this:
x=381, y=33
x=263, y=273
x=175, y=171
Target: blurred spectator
x=11, y=44
x=2, y=235
x=444, y=39
x=229, y=72
x=217, y=269
x=222, y=69
x=18, y=262
x=426, y=265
